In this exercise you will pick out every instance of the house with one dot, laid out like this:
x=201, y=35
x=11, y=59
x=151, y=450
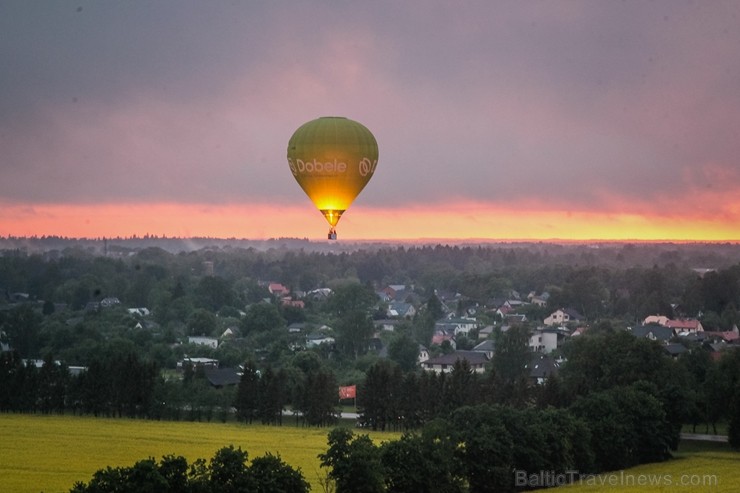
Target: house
x=653, y=332
x=513, y=304
x=230, y=333
x=541, y=367
x=441, y=336
x=317, y=339
x=399, y=309
x=423, y=354
x=211, y=342
x=674, y=349
x=387, y=324
x=715, y=349
x=488, y=347
x=296, y=327
x=543, y=341
x=222, y=377
x=383, y=296
x=446, y=362
x=197, y=362
x=394, y=291
x=727, y=335
x=655, y=319
x=457, y=326
x=579, y=331
x=277, y=289
x=515, y=319
x=141, y=311
x=563, y=316
x=294, y=303
x=319, y=294
x=685, y=326
x=539, y=300
x=486, y=332
x=109, y=301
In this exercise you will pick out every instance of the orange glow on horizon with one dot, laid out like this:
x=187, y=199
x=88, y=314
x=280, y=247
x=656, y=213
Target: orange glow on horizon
x=262, y=221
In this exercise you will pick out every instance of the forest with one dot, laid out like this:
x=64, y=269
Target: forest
x=103, y=331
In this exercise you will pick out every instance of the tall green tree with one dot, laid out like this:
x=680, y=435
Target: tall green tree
x=261, y=317
x=354, y=461
x=247, y=402
x=379, y=396
x=273, y=396
x=512, y=354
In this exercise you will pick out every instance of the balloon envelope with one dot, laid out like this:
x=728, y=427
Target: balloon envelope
x=332, y=159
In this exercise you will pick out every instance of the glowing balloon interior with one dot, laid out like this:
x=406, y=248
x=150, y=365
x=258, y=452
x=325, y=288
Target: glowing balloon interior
x=332, y=159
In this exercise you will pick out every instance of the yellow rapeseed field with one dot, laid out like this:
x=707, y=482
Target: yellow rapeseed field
x=50, y=453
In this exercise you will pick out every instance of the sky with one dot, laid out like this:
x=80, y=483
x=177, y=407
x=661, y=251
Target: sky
x=500, y=120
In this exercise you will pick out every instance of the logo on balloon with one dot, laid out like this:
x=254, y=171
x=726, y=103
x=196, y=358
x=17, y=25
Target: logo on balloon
x=367, y=167
x=314, y=166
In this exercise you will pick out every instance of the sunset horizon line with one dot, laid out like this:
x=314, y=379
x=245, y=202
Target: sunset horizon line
x=150, y=236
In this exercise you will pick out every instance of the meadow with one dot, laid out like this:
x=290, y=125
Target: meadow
x=50, y=453
x=701, y=467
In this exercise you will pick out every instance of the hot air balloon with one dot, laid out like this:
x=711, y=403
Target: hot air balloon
x=332, y=158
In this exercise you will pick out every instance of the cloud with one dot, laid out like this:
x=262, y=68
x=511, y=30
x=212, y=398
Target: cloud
x=576, y=106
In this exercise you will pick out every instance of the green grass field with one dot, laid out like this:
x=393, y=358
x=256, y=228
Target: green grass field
x=701, y=467
x=50, y=453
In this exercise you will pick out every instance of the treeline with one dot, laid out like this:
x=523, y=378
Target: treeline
x=493, y=448
x=127, y=386
x=116, y=387
x=228, y=471
x=618, y=402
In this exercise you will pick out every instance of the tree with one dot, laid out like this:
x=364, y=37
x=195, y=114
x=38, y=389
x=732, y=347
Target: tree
x=52, y=386
x=485, y=458
x=628, y=427
x=379, y=395
x=202, y=322
x=272, y=395
x=461, y=388
x=271, y=475
x=351, y=297
x=228, y=471
x=355, y=462
x=733, y=429
x=420, y=463
x=600, y=362
x=21, y=325
x=261, y=317
x=248, y=394
x=316, y=397
x=404, y=351
x=213, y=293
x=512, y=354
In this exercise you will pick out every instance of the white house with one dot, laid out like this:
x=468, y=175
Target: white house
x=141, y=311
x=446, y=362
x=315, y=340
x=423, y=354
x=211, y=342
x=459, y=326
x=543, y=341
x=400, y=310
x=563, y=316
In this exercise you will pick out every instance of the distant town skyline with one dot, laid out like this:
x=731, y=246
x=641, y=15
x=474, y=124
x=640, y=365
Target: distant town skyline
x=508, y=120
